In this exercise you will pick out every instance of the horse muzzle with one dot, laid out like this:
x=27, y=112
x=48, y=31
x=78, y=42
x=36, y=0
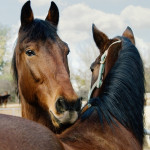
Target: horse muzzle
x=67, y=112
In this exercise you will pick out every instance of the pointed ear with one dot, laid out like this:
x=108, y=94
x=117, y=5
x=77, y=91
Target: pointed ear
x=129, y=34
x=53, y=14
x=99, y=37
x=26, y=14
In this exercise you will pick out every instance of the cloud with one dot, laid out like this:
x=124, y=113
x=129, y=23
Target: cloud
x=76, y=22
x=144, y=49
x=137, y=16
x=76, y=26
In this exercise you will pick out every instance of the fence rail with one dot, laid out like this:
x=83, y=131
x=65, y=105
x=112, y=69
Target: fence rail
x=15, y=111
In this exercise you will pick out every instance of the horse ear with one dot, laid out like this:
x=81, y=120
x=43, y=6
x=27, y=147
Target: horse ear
x=53, y=14
x=99, y=37
x=26, y=14
x=129, y=34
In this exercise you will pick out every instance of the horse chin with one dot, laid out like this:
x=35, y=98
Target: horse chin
x=66, y=118
x=56, y=123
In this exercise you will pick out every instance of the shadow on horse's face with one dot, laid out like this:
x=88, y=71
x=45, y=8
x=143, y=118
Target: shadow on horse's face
x=42, y=67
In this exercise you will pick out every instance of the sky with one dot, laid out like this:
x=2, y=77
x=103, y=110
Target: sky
x=76, y=19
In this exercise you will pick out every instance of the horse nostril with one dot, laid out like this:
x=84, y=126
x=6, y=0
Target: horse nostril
x=60, y=105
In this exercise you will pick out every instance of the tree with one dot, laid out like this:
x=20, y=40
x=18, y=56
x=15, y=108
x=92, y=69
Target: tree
x=81, y=77
x=6, y=82
x=3, y=41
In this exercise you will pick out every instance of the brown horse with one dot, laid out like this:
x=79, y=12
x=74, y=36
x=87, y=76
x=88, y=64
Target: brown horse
x=21, y=134
x=113, y=117
x=4, y=99
x=41, y=71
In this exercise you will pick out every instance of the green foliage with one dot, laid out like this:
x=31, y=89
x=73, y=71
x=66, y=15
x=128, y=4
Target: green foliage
x=6, y=81
x=81, y=82
x=4, y=36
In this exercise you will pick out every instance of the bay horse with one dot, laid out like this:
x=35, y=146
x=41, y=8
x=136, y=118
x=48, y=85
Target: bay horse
x=41, y=71
x=18, y=133
x=112, y=118
x=4, y=99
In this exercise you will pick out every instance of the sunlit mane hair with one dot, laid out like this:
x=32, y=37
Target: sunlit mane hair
x=38, y=30
x=123, y=90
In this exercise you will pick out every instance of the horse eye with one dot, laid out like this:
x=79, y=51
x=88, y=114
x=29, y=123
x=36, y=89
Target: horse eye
x=30, y=52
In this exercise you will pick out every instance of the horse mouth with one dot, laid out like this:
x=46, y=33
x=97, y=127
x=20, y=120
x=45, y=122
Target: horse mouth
x=67, y=117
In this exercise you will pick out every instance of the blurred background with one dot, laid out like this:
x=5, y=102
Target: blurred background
x=75, y=28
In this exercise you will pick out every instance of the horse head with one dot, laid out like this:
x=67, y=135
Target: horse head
x=117, y=85
x=109, y=50
x=41, y=70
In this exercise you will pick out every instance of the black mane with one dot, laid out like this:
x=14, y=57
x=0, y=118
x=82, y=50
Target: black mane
x=37, y=30
x=123, y=92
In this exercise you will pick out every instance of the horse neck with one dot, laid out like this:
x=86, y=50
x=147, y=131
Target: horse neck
x=29, y=111
x=35, y=113
x=93, y=135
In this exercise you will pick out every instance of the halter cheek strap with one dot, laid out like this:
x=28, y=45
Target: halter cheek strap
x=99, y=80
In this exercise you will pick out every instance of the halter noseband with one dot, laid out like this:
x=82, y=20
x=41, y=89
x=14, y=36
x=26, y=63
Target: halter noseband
x=99, y=81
